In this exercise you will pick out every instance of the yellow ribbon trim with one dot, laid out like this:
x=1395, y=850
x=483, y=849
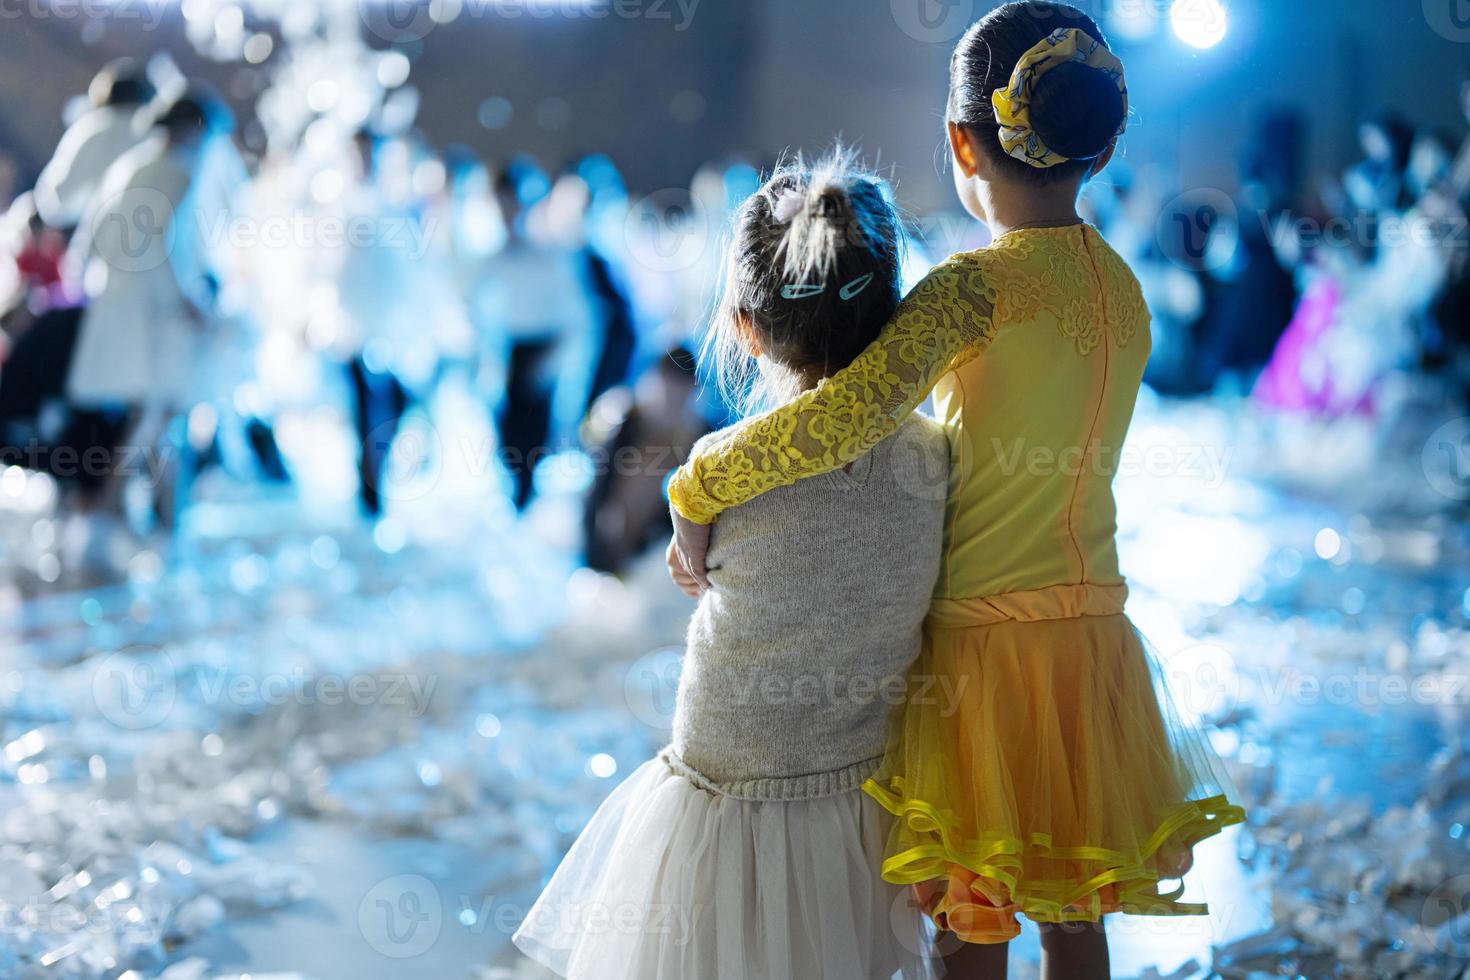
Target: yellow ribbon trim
x=1013, y=103
x=999, y=857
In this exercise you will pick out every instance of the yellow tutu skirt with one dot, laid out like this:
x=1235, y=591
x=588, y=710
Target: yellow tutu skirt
x=1038, y=768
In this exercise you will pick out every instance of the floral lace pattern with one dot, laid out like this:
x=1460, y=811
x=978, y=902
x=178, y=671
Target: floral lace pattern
x=1064, y=278
x=1068, y=278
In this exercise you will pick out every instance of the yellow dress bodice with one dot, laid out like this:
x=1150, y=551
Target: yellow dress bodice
x=1034, y=349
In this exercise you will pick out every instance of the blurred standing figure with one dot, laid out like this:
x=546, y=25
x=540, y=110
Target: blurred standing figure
x=151, y=285
x=392, y=349
x=533, y=299
x=1460, y=167
x=1249, y=299
x=1378, y=187
x=598, y=229
x=464, y=228
x=93, y=143
x=1452, y=308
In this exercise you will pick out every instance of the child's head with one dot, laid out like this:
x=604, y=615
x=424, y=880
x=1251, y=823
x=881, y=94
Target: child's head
x=121, y=83
x=1075, y=107
x=196, y=115
x=812, y=275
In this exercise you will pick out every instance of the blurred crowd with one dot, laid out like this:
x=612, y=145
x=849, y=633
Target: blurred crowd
x=1322, y=296
x=168, y=306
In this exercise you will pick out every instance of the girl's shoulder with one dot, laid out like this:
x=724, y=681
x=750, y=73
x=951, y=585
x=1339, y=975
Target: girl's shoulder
x=1071, y=273
x=1040, y=248
x=981, y=271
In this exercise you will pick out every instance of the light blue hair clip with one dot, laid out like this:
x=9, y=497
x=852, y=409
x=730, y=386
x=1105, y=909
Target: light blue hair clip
x=855, y=287
x=802, y=290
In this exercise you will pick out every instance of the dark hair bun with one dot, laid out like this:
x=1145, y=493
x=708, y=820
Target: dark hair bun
x=1076, y=110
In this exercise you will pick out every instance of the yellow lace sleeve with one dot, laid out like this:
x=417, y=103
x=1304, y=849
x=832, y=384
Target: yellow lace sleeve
x=944, y=321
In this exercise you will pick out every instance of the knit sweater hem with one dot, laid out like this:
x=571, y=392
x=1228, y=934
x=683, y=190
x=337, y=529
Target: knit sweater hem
x=777, y=789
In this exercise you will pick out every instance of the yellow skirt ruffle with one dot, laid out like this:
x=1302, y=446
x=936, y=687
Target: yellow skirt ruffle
x=1038, y=768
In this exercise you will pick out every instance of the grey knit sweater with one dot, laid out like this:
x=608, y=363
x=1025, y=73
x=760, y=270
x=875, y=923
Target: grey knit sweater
x=798, y=654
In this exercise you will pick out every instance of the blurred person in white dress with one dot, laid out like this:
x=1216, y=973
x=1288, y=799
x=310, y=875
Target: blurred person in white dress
x=149, y=249
x=113, y=124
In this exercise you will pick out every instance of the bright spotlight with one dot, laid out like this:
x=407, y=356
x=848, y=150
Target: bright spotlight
x=1199, y=23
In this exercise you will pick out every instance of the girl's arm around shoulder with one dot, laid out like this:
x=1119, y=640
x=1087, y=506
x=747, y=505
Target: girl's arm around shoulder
x=945, y=321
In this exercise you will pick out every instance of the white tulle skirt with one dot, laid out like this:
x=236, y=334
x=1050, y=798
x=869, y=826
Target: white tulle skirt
x=670, y=881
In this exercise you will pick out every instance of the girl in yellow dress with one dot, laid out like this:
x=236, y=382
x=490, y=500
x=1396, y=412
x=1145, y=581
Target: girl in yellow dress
x=1058, y=783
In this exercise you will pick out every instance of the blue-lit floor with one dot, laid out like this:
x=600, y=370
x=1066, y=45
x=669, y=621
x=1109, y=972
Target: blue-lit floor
x=299, y=746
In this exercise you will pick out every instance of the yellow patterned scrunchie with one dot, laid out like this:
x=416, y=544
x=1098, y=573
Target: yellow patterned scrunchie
x=1013, y=103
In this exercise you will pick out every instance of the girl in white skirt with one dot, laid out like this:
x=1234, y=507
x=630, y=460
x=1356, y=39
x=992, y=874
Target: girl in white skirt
x=747, y=850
